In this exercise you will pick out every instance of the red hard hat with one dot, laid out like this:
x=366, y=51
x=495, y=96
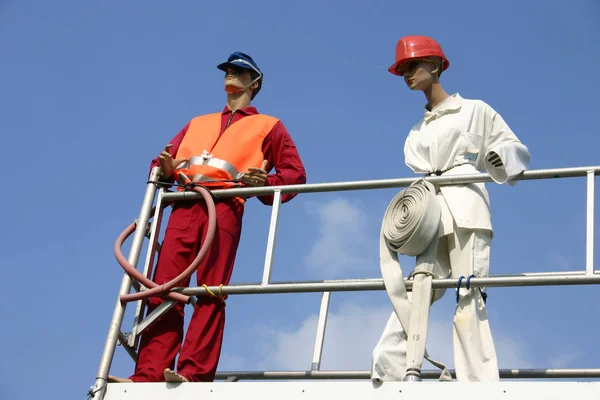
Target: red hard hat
x=417, y=47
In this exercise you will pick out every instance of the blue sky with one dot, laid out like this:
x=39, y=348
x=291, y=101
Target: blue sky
x=92, y=91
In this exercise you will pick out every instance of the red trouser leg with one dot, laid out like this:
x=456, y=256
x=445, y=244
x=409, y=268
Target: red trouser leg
x=187, y=226
x=202, y=347
x=161, y=342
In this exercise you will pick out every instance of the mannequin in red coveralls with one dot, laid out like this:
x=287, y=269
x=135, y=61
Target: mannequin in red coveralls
x=188, y=225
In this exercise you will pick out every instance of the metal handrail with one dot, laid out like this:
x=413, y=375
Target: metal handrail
x=385, y=183
x=588, y=276
x=357, y=285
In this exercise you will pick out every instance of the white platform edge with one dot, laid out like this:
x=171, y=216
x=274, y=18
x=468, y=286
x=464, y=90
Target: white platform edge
x=359, y=390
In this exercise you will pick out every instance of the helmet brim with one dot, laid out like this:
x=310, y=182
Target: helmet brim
x=394, y=68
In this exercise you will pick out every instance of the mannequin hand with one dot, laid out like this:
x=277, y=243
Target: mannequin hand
x=256, y=176
x=167, y=163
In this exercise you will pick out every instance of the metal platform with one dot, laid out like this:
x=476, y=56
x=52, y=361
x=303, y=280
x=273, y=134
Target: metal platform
x=350, y=390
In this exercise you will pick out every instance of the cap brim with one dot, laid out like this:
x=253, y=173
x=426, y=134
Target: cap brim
x=223, y=66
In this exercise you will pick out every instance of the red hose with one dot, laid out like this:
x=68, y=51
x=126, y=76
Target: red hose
x=157, y=290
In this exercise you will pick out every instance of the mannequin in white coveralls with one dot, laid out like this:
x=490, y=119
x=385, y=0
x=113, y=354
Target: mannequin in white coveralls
x=456, y=136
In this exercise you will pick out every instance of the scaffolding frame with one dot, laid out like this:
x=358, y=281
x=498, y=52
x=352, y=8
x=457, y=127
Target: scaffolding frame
x=145, y=229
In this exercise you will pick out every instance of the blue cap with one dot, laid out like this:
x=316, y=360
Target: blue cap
x=241, y=60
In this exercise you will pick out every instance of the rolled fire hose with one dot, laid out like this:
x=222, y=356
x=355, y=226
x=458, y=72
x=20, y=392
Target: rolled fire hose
x=157, y=290
x=411, y=226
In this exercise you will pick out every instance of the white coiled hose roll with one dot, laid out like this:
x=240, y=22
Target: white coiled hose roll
x=411, y=226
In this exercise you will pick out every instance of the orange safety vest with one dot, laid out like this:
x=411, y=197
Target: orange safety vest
x=219, y=161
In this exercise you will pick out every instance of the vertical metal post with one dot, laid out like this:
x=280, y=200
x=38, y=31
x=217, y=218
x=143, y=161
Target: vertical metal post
x=133, y=339
x=271, y=238
x=589, y=247
x=320, y=338
x=114, y=330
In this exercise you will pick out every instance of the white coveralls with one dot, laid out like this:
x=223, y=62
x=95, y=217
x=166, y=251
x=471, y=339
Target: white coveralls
x=457, y=137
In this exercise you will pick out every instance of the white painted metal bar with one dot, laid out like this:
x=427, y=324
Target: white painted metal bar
x=384, y=183
x=272, y=237
x=99, y=388
x=321, y=326
x=130, y=350
x=134, y=338
x=158, y=312
x=426, y=374
x=155, y=314
x=589, y=246
x=377, y=284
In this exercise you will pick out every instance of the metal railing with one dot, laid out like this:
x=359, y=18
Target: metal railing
x=165, y=198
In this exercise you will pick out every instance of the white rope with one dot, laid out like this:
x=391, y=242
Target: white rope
x=411, y=226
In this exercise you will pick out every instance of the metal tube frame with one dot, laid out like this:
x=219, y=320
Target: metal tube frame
x=99, y=388
x=137, y=329
x=385, y=183
x=321, y=326
x=155, y=314
x=272, y=238
x=431, y=374
x=589, y=247
x=130, y=350
x=351, y=285
x=588, y=276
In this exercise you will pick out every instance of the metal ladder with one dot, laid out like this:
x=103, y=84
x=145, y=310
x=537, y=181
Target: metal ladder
x=162, y=198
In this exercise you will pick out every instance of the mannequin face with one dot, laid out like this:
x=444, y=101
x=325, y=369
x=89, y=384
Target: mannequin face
x=236, y=79
x=419, y=74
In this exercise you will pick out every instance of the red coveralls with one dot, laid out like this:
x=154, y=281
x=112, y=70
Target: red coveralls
x=187, y=225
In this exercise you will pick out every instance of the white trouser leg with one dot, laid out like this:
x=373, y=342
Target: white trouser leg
x=389, y=355
x=474, y=352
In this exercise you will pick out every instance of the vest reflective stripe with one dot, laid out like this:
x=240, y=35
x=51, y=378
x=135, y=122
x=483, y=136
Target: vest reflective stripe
x=217, y=163
x=219, y=160
x=206, y=159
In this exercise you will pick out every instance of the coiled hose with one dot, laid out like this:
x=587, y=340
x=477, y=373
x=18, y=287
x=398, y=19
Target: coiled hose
x=155, y=289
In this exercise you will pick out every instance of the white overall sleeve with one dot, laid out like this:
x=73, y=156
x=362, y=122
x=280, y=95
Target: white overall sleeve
x=500, y=139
